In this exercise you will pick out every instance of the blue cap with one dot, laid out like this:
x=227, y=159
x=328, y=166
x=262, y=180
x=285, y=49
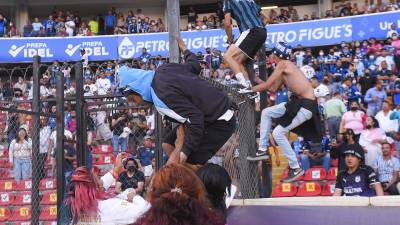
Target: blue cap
x=282, y=50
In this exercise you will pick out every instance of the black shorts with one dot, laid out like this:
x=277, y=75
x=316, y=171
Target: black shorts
x=215, y=136
x=250, y=41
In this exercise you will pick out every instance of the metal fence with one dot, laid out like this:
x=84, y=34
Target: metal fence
x=65, y=129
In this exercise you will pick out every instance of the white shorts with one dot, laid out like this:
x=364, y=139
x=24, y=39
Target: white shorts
x=104, y=133
x=148, y=170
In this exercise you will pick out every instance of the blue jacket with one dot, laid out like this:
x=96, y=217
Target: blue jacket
x=180, y=95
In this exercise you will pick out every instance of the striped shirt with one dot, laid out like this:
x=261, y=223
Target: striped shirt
x=385, y=168
x=245, y=12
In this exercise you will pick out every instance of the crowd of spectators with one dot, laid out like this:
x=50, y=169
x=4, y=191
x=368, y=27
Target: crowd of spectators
x=66, y=24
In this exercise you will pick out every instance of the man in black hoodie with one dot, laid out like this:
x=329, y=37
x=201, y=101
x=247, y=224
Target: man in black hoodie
x=180, y=95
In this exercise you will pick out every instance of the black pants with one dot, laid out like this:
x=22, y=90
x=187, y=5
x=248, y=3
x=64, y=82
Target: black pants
x=215, y=136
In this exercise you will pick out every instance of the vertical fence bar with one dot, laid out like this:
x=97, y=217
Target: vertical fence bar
x=60, y=141
x=262, y=67
x=173, y=16
x=158, y=135
x=35, y=141
x=81, y=150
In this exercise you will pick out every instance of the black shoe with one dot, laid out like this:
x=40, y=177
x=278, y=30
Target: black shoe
x=293, y=175
x=260, y=155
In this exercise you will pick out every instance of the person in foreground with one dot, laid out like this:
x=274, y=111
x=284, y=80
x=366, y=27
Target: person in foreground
x=88, y=202
x=300, y=115
x=357, y=179
x=178, y=197
x=180, y=95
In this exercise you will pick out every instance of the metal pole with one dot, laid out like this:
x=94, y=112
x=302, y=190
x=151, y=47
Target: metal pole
x=158, y=135
x=173, y=29
x=81, y=152
x=36, y=167
x=60, y=141
x=262, y=67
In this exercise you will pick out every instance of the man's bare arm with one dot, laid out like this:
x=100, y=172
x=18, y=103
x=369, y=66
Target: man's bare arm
x=274, y=81
x=228, y=28
x=265, y=17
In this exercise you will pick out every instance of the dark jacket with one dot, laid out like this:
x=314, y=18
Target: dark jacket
x=179, y=94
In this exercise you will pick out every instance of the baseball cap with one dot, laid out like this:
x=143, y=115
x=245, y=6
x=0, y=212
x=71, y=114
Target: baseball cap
x=282, y=50
x=354, y=152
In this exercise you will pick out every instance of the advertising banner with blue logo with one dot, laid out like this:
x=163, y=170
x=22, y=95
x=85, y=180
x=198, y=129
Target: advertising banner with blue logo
x=101, y=48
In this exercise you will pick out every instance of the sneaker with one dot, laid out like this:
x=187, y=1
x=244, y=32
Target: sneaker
x=294, y=174
x=260, y=155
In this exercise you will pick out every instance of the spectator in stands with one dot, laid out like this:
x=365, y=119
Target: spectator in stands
x=52, y=120
x=36, y=27
x=384, y=57
x=45, y=133
x=311, y=157
x=371, y=140
x=357, y=179
x=146, y=154
x=394, y=89
x=20, y=152
x=387, y=168
x=70, y=157
x=50, y=26
x=353, y=119
x=178, y=196
x=145, y=57
x=131, y=178
x=12, y=125
x=27, y=30
x=390, y=127
x=334, y=110
x=21, y=84
x=110, y=22
x=392, y=31
x=308, y=71
x=374, y=98
x=103, y=84
x=70, y=26
x=118, y=123
x=345, y=141
x=3, y=25
x=94, y=26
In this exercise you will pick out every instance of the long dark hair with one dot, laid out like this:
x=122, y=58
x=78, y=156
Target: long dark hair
x=17, y=137
x=376, y=123
x=178, y=196
x=216, y=181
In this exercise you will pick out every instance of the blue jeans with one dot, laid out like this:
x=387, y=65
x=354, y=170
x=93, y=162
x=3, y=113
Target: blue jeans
x=325, y=161
x=333, y=125
x=280, y=133
x=22, y=169
x=116, y=142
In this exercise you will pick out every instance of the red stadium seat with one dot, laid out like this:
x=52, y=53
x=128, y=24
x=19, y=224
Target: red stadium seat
x=335, y=163
x=332, y=173
x=4, y=214
x=50, y=223
x=24, y=185
x=307, y=189
x=47, y=184
x=4, y=163
x=6, y=198
x=284, y=190
x=7, y=185
x=5, y=174
x=49, y=198
x=21, y=214
x=48, y=213
x=23, y=198
x=315, y=174
x=285, y=174
x=4, y=154
x=328, y=189
x=103, y=149
x=106, y=160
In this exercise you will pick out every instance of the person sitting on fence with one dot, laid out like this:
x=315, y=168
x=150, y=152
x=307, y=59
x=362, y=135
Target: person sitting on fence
x=180, y=95
x=88, y=202
x=300, y=114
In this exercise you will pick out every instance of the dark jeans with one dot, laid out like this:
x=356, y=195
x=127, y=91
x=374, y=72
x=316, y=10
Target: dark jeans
x=109, y=30
x=333, y=125
x=266, y=181
x=42, y=162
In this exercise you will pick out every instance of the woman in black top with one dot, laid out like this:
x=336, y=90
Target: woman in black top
x=337, y=152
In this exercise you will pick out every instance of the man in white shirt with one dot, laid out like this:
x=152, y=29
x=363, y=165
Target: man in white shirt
x=36, y=26
x=308, y=71
x=103, y=84
x=383, y=117
x=45, y=133
x=70, y=26
x=385, y=57
x=392, y=31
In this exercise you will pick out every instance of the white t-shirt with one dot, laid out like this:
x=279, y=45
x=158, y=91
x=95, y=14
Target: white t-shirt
x=321, y=91
x=308, y=71
x=37, y=26
x=85, y=60
x=103, y=86
x=385, y=123
x=69, y=27
x=45, y=133
x=389, y=61
x=390, y=33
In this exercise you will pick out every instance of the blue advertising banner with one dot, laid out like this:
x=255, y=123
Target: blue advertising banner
x=309, y=33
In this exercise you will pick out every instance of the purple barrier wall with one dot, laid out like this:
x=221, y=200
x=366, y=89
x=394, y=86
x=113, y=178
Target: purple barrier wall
x=305, y=215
